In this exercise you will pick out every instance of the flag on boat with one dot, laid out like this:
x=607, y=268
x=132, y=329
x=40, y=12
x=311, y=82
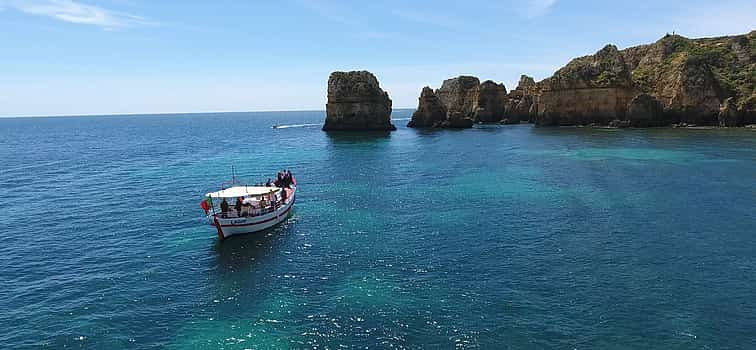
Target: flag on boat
x=206, y=204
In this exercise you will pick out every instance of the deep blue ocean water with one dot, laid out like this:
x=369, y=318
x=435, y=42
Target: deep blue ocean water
x=497, y=237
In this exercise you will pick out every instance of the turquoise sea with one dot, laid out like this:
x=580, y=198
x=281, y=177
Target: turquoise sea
x=497, y=237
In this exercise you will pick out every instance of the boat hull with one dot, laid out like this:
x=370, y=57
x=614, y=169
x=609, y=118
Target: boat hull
x=234, y=226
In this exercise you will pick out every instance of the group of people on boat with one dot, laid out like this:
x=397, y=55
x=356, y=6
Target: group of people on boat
x=253, y=206
x=262, y=204
x=284, y=179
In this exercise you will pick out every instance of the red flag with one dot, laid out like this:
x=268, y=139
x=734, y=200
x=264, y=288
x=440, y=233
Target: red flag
x=205, y=206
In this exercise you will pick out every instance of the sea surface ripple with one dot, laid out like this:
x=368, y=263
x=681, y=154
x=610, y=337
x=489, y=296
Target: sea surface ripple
x=496, y=237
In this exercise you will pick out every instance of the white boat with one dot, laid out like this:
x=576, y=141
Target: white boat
x=262, y=207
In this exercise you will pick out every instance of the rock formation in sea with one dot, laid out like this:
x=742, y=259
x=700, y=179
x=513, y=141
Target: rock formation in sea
x=430, y=111
x=707, y=81
x=464, y=101
x=356, y=102
x=674, y=81
x=454, y=105
x=521, y=99
x=467, y=101
x=460, y=97
x=492, y=101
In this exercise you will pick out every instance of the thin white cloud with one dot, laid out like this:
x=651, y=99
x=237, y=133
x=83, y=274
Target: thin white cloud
x=79, y=13
x=537, y=8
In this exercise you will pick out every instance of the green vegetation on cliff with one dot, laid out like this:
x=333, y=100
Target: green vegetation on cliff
x=690, y=78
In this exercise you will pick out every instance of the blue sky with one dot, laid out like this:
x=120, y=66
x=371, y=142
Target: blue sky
x=64, y=57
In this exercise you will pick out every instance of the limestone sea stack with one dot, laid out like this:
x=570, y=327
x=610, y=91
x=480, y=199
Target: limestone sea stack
x=464, y=101
x=460, y=97
x=430, y=111
x=492, y=102
x=454, y=105
x=356, y=102
x=519, y=107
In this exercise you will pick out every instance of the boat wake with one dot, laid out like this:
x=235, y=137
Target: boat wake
x=294, y=126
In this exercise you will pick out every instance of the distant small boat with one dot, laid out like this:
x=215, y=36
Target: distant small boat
x=261, y=207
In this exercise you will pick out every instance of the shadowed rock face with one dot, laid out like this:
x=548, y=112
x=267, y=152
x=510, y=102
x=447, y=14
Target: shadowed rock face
x=356, y=102
x=747, y=109
x=645, y=110
x=430, y=111
x=492, y=101
x=729, y=114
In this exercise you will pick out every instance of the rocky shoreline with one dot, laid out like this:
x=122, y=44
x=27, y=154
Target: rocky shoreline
x=675, y=81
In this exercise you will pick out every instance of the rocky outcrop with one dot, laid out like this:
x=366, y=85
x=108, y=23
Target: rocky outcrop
x=525, y=87
x=467, y=101
x=430, y=112
x=460, y=96
x=520, y=106
x=457, y=120
x=356, y=102
x=690, y=79
x=491, y=102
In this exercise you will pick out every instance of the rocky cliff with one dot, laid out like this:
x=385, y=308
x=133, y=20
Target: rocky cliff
x=356, y=102
x=674, y=80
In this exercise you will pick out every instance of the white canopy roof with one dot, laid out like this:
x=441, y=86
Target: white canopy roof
x=241, y=191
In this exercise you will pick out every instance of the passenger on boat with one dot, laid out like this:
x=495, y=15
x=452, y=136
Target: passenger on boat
x=224, y=208
x=238, y=206
x=287, y=179
x=248, y=207
x=283, y=195
x=272, y=200
x=268, y=184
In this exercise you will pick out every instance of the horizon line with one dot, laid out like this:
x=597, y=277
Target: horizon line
x=165, y=113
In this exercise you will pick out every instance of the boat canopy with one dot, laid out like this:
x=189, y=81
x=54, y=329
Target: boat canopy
x=242, y=191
